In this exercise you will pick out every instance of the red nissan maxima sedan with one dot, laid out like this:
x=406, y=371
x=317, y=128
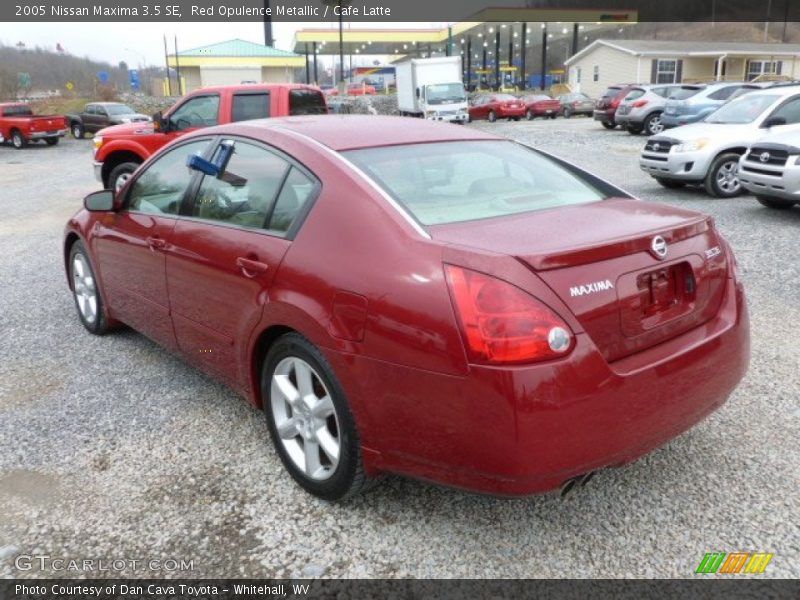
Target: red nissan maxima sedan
x=541, y=105
x=424, y=300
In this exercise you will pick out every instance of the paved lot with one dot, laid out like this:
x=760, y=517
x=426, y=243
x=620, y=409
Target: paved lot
x=112, y=448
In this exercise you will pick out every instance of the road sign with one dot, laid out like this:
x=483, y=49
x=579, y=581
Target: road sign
x=102, y=76
x=134, y=77
x=70, y=85
x=24, y=80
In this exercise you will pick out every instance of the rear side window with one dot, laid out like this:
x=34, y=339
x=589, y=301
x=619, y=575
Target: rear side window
x=17, y=111
x=611, y=92
x=292, y=202
x=250, y=106
x=449, y=182
x=245, y=192
x=724, y=93
x=634, y=94
x=307, y=102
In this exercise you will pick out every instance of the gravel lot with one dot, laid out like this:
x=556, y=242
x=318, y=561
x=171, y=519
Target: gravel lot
x=112, y=448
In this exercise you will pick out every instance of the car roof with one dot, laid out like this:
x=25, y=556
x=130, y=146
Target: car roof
x=254, y=86
x=352, y=132
x=782, y=91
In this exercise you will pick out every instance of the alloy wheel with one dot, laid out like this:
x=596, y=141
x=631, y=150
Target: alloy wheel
x=728, y=177
x=305, y=418
x=84, y=288
x=122, y=179
x=655, y=126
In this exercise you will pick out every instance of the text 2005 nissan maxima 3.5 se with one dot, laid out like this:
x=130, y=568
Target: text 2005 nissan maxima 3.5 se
x=424, y=299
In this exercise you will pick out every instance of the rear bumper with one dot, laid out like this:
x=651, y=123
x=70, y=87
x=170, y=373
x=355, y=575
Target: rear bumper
x=510, y=113
x=41, y=135
x=525, y=430
x=781, y=182
x=605, y=115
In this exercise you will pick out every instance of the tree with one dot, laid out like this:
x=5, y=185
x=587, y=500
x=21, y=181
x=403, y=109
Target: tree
x=123, y=66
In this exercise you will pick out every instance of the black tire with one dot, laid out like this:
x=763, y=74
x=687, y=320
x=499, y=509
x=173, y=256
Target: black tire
x=529, y=115
x=553, y=116
x=515, y=119
x=609, y=124
x=718, y=182
x=633, y=129
x=653, y=125
x=492, y=116
x=775, y=203
x=348, y=477
x=122, y=170
x=18, y=140
x=51, y=141
x=99, y=325
x=567, y=113
x=78, y=131
x=670, y=184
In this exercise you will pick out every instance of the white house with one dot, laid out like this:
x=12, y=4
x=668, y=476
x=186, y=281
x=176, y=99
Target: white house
x=606, y=62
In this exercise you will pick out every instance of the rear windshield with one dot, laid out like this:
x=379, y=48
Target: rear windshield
x=611, y=92
x=307, y=102
x=684, y=92
x=450, y=182
x=17, y=111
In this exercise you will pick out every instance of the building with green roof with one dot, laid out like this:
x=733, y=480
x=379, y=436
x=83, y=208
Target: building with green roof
x=234, y=62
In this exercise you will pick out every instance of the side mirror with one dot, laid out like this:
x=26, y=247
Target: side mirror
x=774, y=122
x=102, y=201
x=160, y=123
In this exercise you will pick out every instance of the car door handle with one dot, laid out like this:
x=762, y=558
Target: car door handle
x=250, y=267
x=156, y=243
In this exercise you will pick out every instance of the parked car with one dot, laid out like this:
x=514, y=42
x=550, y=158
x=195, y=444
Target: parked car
x=694, y=102
x=770, y=169
x=708, y=153
x=19, y=126
x=361, y=89
x=496, y=106
x=641, y=109
x=405, y=296
x=608, y=103
x=120, y=149
x=98, y=115
x=576, y=104
x=540, y=105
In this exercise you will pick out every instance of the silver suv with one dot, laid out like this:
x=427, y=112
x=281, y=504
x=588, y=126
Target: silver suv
x=642, y=108
x=770, y=169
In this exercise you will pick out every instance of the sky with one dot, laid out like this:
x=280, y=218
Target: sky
x=137, y=43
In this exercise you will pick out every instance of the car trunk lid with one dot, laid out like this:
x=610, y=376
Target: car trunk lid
x=599, y=259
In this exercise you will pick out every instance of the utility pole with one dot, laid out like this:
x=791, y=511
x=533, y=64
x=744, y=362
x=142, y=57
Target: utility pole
x=268, y=39
x=178, y=69
x=166, y=59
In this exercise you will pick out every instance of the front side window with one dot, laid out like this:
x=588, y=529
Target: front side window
x=250, y=106
x=160, y=188
x=449, y=182
x=200, y=111
x=789, y=111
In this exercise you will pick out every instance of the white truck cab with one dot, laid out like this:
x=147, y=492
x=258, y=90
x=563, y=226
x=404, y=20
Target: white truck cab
x=432, y=88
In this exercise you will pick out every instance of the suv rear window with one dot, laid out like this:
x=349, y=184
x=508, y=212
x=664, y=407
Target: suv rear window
x=634, y=94
x=612, y=92
x=450, y=182
x=307, y=102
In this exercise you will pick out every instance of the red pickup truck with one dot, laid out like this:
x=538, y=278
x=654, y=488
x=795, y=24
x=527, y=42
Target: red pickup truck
x=19, y=125
x=120, y=149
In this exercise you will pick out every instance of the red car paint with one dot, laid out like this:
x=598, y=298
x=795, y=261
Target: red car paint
x=19, y=125
x=541, y=106
x=369, y=288
x=503, y=106
x=135, y=142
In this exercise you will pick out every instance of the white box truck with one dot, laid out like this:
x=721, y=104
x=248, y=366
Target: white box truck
x=432, y=88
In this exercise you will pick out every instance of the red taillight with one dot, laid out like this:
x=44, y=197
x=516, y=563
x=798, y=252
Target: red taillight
x=502, y=324
x=640, y=103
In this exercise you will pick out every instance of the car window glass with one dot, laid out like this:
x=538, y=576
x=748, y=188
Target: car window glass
x=250, y=106
x=450, y=182
x=724, y=93
x=634, y=94
x=201, y=111
x=789, y=111
x=245, y=192
x=307, y=102
x=160, y=188
x=683, y=93
x=90, y=110
x=295, y=194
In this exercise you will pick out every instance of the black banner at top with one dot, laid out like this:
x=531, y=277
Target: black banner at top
x=398, y=10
